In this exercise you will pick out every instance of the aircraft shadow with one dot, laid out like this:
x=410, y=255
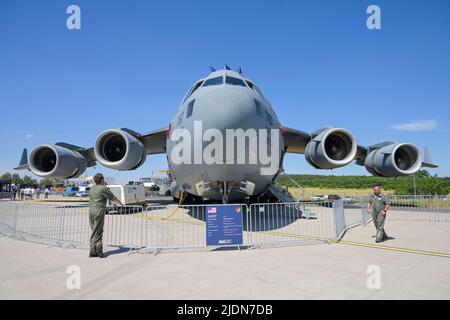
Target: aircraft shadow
x=262, y=218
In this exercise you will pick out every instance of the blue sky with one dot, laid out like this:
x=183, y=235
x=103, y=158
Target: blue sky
x=132, y=62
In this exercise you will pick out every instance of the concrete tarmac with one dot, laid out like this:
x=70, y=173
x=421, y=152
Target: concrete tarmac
x=318, y=271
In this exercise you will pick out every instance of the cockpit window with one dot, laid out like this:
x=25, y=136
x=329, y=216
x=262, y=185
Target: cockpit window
x=258, y=107
x=213, y=81
x=259, y=92
x=254, y=87
x=195, y=87
x=234, y=81
x=190, y=108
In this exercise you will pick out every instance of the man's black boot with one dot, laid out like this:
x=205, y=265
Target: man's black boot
x=100, y=253
x=92, y=254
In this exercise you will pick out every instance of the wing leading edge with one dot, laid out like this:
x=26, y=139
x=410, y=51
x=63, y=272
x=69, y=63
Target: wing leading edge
x=154, y=143
x=311, y=144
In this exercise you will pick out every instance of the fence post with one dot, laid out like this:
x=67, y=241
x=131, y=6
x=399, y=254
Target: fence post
x=248, y=226
x=16, y=215
x=61, y=226
x=339, y=217
x=364, y=214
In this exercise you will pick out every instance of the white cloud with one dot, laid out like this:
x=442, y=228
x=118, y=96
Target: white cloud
x=29, y=136
x=421, y=125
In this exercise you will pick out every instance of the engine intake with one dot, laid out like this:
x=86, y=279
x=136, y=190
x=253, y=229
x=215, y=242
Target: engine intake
x=330, y=149
x=394, y=160
x=52, y=161
x=119, y=150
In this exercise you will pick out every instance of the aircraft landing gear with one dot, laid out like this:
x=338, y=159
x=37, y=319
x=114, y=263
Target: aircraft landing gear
x=225, y=193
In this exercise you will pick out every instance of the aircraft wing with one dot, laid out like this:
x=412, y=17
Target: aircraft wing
x=154, y=143
x=330, y=148
x=362, y=153
x=295, y=140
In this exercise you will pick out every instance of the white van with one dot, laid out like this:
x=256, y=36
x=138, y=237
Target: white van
x=83, y=192
x=128, y=194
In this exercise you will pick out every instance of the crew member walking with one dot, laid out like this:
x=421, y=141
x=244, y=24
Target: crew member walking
x=378, y=206
x=98, y=196
x=13, y=192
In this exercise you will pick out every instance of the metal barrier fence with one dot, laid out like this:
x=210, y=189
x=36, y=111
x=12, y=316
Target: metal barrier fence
x=179, y=227
x=414, y=208
x=165, y=227
x=68, y=225
x=290, y=223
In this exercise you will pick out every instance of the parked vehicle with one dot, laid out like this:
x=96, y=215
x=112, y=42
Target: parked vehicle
x=83, y=192
x=349, y=200
x=333, y=197
x=70, y=191
x=129, y=194
x=319, y=197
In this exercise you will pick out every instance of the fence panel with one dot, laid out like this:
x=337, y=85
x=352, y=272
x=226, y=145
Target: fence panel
x=180, y=226
x=283, y=223
x=421, y=208
x=69, y=224
x=124, y=227
x=184, y=226
x=40, y=221
x=8, y=218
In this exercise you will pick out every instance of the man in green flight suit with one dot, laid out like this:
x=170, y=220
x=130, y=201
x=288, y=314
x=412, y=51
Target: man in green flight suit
x=98, y=196
x=378, y=206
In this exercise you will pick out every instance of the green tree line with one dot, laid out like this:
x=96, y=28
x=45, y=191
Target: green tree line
x=26, y=180
x=426, y=184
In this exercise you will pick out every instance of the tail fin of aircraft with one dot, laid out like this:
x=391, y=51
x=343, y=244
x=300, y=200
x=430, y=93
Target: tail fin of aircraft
x=427, y=162
x=23, y=164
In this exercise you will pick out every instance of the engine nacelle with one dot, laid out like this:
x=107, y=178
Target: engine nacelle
x=52, y=161
x=330, y=149
x=394, y=160
x=119, y=150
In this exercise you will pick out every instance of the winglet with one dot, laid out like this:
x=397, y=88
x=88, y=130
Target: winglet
x=23, y=164
x=427, y=162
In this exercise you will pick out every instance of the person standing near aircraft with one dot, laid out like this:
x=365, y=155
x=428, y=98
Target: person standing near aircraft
x=27, y=193
x=13, y=192
x=46, y=193
x=98, y=196
x=378, y=206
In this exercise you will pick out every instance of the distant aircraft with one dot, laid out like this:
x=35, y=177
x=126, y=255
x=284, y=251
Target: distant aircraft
x=224, y=100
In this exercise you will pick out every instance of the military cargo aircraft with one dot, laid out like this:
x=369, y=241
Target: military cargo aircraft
x=224, y=100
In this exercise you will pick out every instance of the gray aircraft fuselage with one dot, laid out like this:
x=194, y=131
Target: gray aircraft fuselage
x=220, y=105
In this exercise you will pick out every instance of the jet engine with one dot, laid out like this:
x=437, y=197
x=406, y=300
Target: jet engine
x=118, y=149
x=52, y=161
x=394, y=160
x=331, y=148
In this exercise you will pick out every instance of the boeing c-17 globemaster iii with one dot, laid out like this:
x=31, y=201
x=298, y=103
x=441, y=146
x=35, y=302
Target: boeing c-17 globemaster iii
x=222, y=101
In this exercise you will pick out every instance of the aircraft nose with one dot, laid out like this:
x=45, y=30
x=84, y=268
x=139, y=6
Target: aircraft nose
x=226, y=108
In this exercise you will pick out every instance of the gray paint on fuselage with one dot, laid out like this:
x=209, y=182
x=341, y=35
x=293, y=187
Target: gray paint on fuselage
x=223, y=107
